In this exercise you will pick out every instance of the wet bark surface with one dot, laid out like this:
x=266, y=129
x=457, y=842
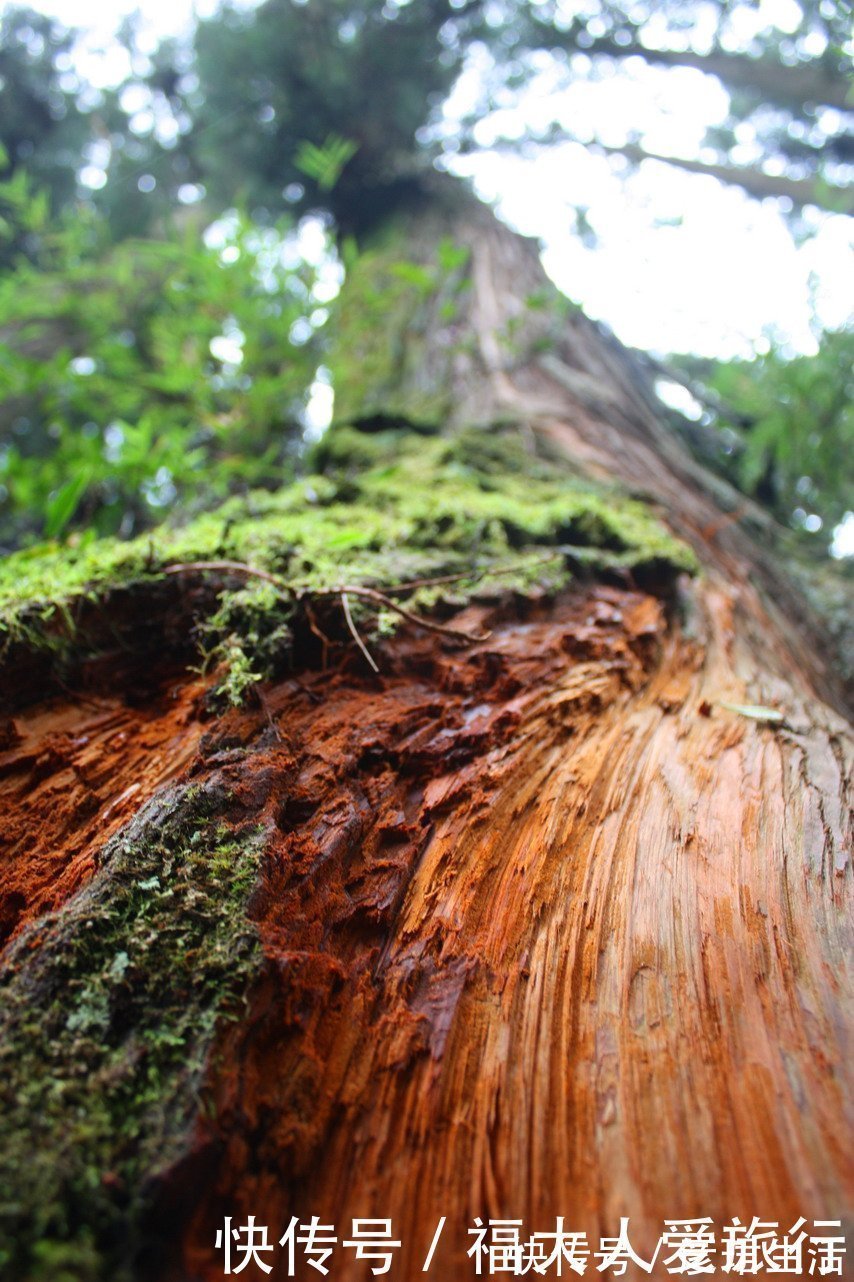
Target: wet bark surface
x=546, y=930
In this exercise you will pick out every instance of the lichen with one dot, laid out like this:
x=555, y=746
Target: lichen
x=384, y=508
x=108, y=1011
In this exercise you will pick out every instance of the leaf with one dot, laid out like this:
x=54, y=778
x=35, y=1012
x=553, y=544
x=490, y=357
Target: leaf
x=63, y=505
x=755, y=711
x=324, y=164
x=414, y=274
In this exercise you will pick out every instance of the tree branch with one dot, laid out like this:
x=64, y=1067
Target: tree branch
x=801, y=191
x=793, y=87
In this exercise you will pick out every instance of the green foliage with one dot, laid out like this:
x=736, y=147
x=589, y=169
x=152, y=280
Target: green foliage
x=285, y=88
x=63, y=503
x=270, y=87
x=24, y=216
x=784, y=431
x=115, y=407
x=154, y=373
x=105, y=1035
x=256, y=105
x=324, y=164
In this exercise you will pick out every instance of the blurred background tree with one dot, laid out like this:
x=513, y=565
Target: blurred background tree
x=117, y=406
x=43, y=125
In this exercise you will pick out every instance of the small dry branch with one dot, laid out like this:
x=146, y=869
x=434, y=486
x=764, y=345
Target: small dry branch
x=354, y=633
x=344, y=590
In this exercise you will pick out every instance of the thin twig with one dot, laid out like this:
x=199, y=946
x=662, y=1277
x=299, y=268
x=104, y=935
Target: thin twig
x=351, y=625
x=380, y=598
x=486, y=571
x=368, y=594
x=240, y=567
x=316, y=629
x=262, y=699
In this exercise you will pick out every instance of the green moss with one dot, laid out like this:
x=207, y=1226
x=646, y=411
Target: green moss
x=104, y=1034
x=395, y=333
x=386, y=322
x=391, y=507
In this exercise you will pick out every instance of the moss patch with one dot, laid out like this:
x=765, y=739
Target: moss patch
x=383, y=509
x=386, y=361
x=104, y=1033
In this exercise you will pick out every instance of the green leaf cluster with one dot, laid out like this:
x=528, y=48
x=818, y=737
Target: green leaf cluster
x=147, y=374
x=782, y=428
x=324, y=164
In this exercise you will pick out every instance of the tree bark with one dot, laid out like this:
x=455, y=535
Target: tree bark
x=547, y=928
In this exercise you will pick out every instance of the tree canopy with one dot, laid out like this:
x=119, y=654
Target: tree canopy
x=116, y=403
x=238, y=103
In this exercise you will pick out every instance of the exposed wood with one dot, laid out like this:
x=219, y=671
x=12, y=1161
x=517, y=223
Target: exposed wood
x=73, y=770
x=599, y=966
x=544, y=938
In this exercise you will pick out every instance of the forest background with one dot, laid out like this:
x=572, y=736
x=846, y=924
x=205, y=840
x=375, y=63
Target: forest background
x=175, y=222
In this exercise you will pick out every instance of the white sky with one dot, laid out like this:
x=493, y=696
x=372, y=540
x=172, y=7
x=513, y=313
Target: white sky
x=681, y=263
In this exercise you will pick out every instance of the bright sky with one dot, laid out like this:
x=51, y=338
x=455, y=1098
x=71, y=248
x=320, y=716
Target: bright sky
x=680, y=263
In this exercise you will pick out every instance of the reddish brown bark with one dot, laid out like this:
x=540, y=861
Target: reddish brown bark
x=598, y=964
x=545, y=937
x=73, y=770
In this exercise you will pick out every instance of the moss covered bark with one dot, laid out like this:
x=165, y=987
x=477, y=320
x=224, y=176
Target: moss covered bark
x=108, y=1011
x=385, y=509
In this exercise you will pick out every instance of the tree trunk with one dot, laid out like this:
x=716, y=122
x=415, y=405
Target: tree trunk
x=546, y=928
